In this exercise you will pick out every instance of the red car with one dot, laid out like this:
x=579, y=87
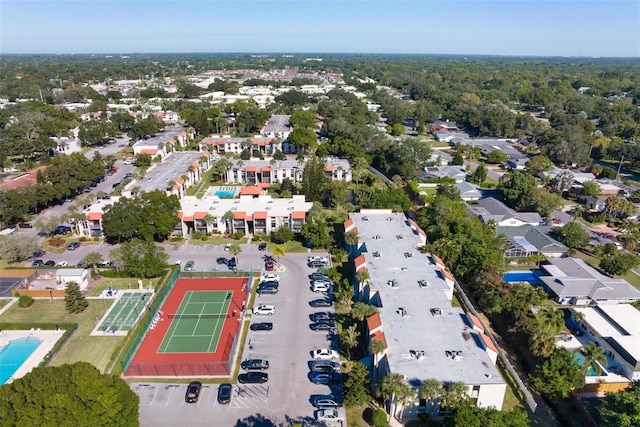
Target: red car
x=269, y=265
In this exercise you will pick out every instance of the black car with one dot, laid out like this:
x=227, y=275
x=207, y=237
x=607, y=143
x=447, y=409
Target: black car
x=253, y=378
x=271, y=290
x=221, y=261
x=318, y=275
x=37, y=263
x=261, y=326
x=322, y=316
x=232, y=264
x=322, y=326
x=73, y=246
x=50, y=263
x=321, y=303
x=224, y=393
x=62, y=229
x=255, y=364
x=262, y=247
x=271, y=283
x=193, y=392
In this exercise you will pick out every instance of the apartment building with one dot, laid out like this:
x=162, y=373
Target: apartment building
x=253, y=172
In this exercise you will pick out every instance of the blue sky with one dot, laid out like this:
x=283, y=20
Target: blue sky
x=534, y=27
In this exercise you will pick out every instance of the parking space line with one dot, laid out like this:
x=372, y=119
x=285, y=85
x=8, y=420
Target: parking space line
x=171, y=394
x=154, y=395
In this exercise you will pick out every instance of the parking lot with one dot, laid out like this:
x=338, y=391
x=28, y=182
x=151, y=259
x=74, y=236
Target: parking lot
x=285, y=398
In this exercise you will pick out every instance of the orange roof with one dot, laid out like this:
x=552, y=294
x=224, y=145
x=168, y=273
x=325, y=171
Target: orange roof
x=437, y=259
x=359, y=261
x=266, y=168
x=488, y=343
x=328, y=168
x=239, y=215
x=150, y=151
x=348, y=223
x=260, y=215
x=379, y=335
x=249, y=218
x=264, y=185
x=298, y=215
x=448, y=275
x=187, y=218
x=180, y=181
x=23, y=180
x=475, y=322
x=94, y=216
x=251, y=191
x=250, y=168
x=374, y=322
x=180, y=215
x=200, y=215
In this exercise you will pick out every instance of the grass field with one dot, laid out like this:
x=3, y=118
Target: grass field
x=121, y=284
x=81, y=346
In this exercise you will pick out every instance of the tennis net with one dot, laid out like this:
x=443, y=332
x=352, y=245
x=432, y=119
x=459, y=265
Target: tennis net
x=196, y=316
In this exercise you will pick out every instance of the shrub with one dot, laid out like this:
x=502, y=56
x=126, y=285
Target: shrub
x=237, y=235
x=24, y=301
x=83, y=239
x=57, y=242
x=199, y=235
x=281, y=235
x=379, y=418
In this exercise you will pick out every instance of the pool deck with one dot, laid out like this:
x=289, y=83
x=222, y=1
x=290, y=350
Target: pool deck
x=48, y=338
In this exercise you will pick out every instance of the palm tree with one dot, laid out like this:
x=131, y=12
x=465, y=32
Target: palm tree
x=278, y=250
x=454, y=394
x=93, y=258
x=228, y=219
x=235, y=250
x=431, y=389
x=404, y=397
x=593, y=356
x=577, y=211
x=362, y=276
x=349, y=338
x=210, y=220
x=542, y=343
x=550, y=320
x=389, y=387
x=375, y=348
x=351, y=238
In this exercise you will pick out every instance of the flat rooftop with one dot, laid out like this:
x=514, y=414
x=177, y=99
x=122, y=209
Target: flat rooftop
x=277, y=124
x=396, y=266
x=217, y=207
x=172, y=168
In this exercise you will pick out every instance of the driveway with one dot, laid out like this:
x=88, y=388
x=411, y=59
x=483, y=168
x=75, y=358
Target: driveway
x=285, y=398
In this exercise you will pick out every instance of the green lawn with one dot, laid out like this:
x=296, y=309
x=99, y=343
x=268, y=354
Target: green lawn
x=81, y=346
x=4, y=301
x=630, y=277
x=121, y=284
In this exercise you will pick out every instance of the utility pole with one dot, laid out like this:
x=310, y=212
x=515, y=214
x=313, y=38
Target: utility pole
x=619, y=167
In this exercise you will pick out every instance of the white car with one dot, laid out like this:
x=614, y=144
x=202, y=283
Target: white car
x=262, y=309
x=266, y=277
x=325, y=354
x=178, y=262
x=318, y=259
x=330, y=415
x=62, y=264
x=227, y=247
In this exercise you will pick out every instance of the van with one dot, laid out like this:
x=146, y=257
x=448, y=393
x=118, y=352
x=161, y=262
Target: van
x=321, y=287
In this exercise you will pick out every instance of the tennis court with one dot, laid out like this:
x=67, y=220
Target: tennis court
x=197, y=324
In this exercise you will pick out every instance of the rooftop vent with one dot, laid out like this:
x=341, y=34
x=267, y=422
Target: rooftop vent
x=376, y=254
x=408, y=255
x=365, y=218
x=418, y=354
x=400, y=237
x=436, y=311
x=423, y=283
x=402, y=311
x=393, y=283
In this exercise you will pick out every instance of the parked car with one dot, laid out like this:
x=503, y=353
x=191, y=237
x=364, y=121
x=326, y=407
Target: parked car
x=193, y=392
x=322, y=316
x=232, y=263
x=325, y=354
x=62, y=264
x=324, y=280
x=80, y=263
x=269, y=265
x=321, y=303
x=50, y=263
x=263, y=309
x=253, y=378
x=267, y=290
x=318, y=258
x=224, y=393
x=189, y=266
x=318, y=275
x=227, y=246
x=269, y=277
x=37, y=263
x=261, y=326
x=325, y=377
x=322, y=326
x=73, y=246
x=271, y=283
x=251, y=364
x=324, y=365
x=321, y=287
x=317, y=264
x=116, y=184
x=262, y=247
x=330, y=415
x=325, y=403
x=62, y=229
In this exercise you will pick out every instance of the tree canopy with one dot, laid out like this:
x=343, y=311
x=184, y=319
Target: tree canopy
x=68, y=395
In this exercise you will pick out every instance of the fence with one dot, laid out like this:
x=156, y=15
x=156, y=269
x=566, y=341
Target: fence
x=205, y=274
x=143, y=327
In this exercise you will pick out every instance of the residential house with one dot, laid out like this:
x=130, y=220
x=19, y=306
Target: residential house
x=616, y=328
x=527, y=240
x=573, y=281
x=490, y=209
x=424, y=334
x=457, y=173
x=469, y=192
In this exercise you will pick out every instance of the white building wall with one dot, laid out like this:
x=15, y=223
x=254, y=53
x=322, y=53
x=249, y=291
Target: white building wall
x=490, y=395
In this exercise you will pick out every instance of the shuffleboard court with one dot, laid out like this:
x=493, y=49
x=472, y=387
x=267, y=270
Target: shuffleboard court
x=197, y=324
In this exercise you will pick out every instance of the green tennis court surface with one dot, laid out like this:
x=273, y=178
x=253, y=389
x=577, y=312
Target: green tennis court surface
x=196, y=326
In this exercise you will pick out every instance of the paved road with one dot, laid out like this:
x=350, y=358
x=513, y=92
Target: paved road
x=285, y=398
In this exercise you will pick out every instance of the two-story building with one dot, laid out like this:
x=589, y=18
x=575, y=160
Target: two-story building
x=253, y=172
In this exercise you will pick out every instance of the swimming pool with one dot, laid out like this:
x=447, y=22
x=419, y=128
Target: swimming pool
x=223, y=194
x=14, y=354
x=591, y=372
x=518, y=276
